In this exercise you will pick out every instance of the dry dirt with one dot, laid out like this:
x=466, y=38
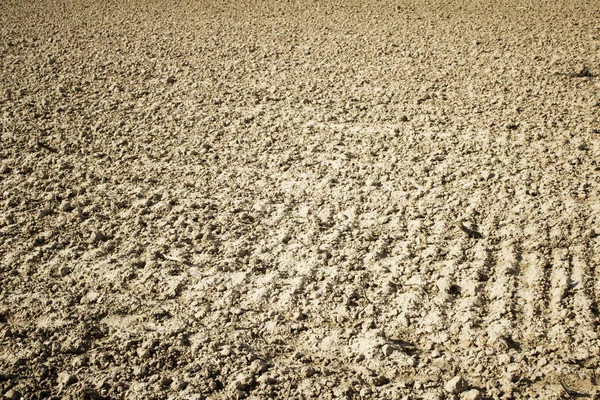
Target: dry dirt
x=299, y=199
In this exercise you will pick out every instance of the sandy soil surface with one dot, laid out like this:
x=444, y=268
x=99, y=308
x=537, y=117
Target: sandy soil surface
x=299, y=199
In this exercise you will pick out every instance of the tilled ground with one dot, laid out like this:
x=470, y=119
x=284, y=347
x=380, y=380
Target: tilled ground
x=299, y=199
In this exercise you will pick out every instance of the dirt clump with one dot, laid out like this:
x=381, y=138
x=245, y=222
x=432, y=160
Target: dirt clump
x=217, y=200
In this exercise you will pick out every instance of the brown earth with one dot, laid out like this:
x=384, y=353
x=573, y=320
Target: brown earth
x=299, y=199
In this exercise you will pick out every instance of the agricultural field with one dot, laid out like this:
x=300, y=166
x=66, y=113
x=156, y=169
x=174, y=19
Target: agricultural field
x=299, y=199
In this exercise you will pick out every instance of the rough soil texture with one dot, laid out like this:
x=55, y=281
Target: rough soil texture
x=299, y=199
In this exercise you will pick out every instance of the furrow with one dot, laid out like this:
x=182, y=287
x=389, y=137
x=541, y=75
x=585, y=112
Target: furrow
x=558, y=306
x=472, y=305
x=585, y=306
x=532, y=293
x=501, y=292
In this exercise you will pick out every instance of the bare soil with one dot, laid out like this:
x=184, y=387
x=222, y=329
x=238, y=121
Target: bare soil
x=299, y=199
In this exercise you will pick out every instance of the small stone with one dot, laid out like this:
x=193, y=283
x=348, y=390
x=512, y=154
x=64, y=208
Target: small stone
x=371, y=182
x=284, y=238
x=456, y=385
x=9, y=219
x=512, y=373
x=266, y=379
x=387, y=350
x=97, y=236
x=581, y=70
x=472, y=394
x=380, y=380
x=504, y=359
x=240, y=253
x=171, y=79
x=165, y=381
x=178, y=385
x=88, y=393
x=66, y=206
x=243, y=381
x=90, y=297
x=46, y=211
x=227, y=351
x=66, y=379
x=403, y=320
x=80, y=361
x=542, y=362
x=412, y=362
x=139, y=370
x=144, y=353
x=208, y=237
x=434, y=394
x=308, y=371
x=258, y=367
x=18, y=361
x=12, y=395
x=64, y=270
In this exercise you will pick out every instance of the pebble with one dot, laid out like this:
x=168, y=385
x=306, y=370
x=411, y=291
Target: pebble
x=165, y=381
x=258, y=367
x=512, y=376
x=144, y=353
x=12, y=395
x=240, y=253
x=456, y=385
x=284, y=238
x=504, y=359
x=80, y=361
x=372, y=182
x=208, y=237
x=266, y=379
x=581, y=70
x=97, y=236
x=66, y=206
x=308, y=371
x=243, y=381
x=403, y=320
x=387, y=350
x=66, y=379
x=412, y=362
x=46, y=211
x=178, y=385
x=227, y=351
x=9, y=218
x=472, y=394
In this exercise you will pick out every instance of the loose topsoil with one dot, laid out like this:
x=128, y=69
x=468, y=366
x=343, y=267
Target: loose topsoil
x=299, y=199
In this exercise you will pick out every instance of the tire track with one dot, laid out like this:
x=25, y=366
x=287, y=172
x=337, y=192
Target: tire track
x=583, y=280
x=558, y=303
x=503, y=286
x=533, y=285
x=474, y=300
x=595, y=279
